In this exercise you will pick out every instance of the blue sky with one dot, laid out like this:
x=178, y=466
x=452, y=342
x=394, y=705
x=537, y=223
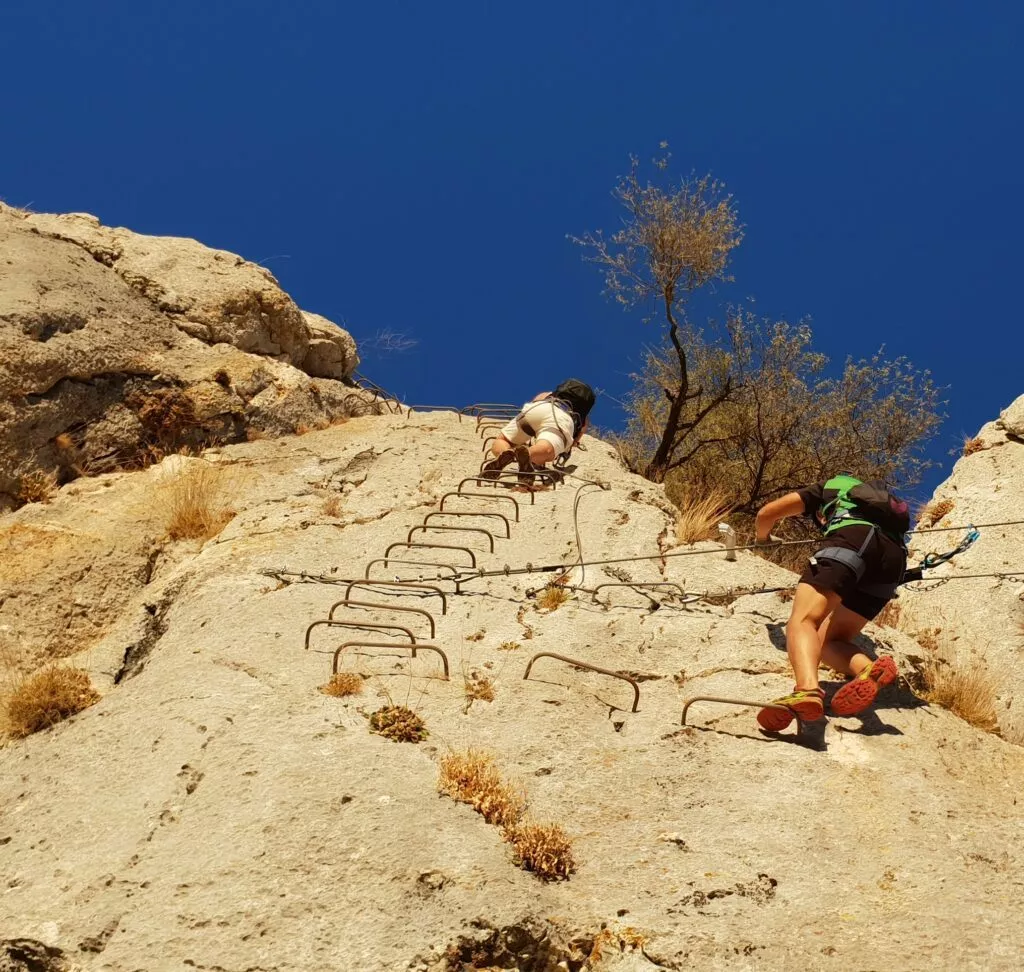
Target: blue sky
x=415, y=167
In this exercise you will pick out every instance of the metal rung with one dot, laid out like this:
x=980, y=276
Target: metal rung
x=588, y=667
x=552, y=476
x=497, y=516
x=454, y=579
x=488, y=441
x=385, y=644
x=747, y=702
x=424, y=527
x=367, y=625
x=487, y=481
x=431, y=546
x=486, y=496
x=345, y=602
x=409, y=586
x=484, y=426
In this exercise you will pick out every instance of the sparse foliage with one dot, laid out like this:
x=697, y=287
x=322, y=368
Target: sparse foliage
x=674, y=239
x=551, y=598
x=471, y=777
x=45, y=698
x=968, y=690
x=342, y=684
x=699, y=516
x=543, y=848
x=194, y=499
x=399, y=724
x=785, y=422
x=37, y=487
x=478, y=686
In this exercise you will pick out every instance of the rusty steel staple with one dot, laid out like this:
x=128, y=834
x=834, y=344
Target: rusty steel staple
x=425, y=526
x=345, y=602
x=487, y=442
x=497, y=516
x=485, y=496
x=747, y=702
x=483, y=427
x=409, y=586
x=588, y=667
x=553, y=477
x=373, y=405
x=366, y=626
x=430, y=546
x=492, y=481
x=386, y=644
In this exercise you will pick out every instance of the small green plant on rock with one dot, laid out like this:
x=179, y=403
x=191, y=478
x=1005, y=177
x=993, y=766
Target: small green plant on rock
x=399, y=724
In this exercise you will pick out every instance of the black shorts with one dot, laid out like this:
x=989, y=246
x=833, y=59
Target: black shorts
x=885, y=559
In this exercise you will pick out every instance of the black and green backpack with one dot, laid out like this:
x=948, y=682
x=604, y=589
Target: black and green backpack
x=849, y=501
x=579, y=397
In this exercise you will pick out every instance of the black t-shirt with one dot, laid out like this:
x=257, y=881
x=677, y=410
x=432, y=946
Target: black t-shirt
x=814, y=499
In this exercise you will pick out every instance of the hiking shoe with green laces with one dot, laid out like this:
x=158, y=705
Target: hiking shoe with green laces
x=856, y=695
x=807, y=705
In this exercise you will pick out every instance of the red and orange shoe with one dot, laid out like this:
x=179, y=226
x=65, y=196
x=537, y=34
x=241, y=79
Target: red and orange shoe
x=856, y=695
x=807, y=705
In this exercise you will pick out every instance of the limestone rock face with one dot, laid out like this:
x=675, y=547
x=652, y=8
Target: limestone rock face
x=115, y=346
x=215, y=810
x=981, y=618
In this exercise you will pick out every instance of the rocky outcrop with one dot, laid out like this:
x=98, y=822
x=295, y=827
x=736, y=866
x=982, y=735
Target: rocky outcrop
x=115, y=347
x=983, y=618
x=215, y=810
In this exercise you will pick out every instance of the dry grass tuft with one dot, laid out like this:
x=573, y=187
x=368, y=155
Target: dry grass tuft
x=342, y=684
x=476, y=635
x=934, y=511
x=194, y=503
x=45, y=698
x=478, y=686
x=968, y=691
x=303, y=429
x=509, y=646
x=399, y=724
x=471, y=777
x=973, y=445
x=332, y=506
x=544, y=849
x=64, y=442
x=37, y=487
x=553, y=596
x=698, y=518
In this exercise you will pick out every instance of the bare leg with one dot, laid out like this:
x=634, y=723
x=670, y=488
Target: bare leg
x=836, y=635
x=500, y=445
x=810, y=609
x=541, y=452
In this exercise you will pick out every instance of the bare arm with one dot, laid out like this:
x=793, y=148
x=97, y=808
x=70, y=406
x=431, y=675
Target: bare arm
x=789, y=505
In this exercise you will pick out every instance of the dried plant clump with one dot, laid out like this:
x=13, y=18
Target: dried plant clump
x=699, y=517
x=222, y=378
x=166, y=414
x=552, y=597
x=476, y=635
x=399, y=724
x=37, y=487
x=45, y=698
x=332, y=506
x=342, y=684
x=471, y=777
x=928, y=639
x=968, y=691
x=478, y=686
x=973, y=445
x=934, y=511
x=543, y=848
x=302, y=429
x=509, y=646
x=194, y=503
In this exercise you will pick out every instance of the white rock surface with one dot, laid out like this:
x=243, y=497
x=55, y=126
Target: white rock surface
x=214, y=811
x=981, y=618
x=96, y=322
